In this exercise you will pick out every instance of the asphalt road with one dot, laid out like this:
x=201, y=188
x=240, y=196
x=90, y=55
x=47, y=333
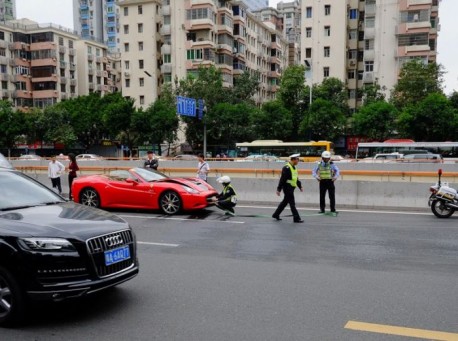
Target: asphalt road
x=212, y=277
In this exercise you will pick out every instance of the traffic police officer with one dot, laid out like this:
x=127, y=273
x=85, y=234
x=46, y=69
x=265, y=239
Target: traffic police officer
x=326, y=172
x=288, y=183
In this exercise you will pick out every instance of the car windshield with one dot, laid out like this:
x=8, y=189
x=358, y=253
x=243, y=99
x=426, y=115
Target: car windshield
x=150, y=175
x=4, y=162
x=20, y=191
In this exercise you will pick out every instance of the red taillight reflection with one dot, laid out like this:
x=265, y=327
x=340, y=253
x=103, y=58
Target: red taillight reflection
x=432, y=190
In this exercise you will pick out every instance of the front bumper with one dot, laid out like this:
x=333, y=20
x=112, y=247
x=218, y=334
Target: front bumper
x=61, y=291
x=197, y=202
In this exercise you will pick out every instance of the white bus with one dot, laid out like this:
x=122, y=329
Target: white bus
x=370, y=149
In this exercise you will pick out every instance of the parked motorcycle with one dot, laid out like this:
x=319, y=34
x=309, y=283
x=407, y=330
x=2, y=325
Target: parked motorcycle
x=443, y=200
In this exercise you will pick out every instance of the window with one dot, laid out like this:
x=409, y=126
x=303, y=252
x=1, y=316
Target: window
x=353, y=34
x=352, y=94
x=126, y=64
x=327, y=51
x=308, y=12
x=140, y=28
x=126, y=29
x=353, y=14
x=140, y=9
x=327, y=9
x=308, y=52
x=140, y=46
x=140, y=64
x=142, y=100
x=127, y=83
x=370, y=22
x=326, y=72
x=126, y=47
x=126, y=11
x=167, y=58
x=327, y=31
x=352, y=54
x=360, y=75
x=369, y=44
x=308, y=32
x=351, y=74
x=141, y=81
x=368, y=66
x=360, y=35
x=360, y=56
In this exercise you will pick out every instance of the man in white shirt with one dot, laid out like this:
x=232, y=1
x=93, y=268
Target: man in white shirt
x=55, y=170
x=202, y=168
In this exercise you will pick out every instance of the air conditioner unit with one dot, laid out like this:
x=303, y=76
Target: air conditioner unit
x=126, y=74
x=416, y=18
x=368, y=77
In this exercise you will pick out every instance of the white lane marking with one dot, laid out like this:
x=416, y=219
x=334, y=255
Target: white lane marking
x=159, y=244
x=351, y=211
x=183, y=219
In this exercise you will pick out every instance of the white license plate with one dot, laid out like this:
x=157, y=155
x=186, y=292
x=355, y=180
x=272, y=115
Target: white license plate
x=117, y=255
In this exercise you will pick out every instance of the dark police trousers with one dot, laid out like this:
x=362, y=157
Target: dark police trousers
x=288, y=199
x=327, y=185
x=226, y=206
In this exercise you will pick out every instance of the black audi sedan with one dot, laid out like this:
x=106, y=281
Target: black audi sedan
x=51, y=249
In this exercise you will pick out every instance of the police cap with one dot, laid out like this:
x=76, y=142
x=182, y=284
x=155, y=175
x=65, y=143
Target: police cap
x=295, y=156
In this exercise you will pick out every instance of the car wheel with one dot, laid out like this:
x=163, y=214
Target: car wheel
x=170, y=202
x=12, y=300
x=90, y=197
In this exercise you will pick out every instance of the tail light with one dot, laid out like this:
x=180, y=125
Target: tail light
x=433, y=190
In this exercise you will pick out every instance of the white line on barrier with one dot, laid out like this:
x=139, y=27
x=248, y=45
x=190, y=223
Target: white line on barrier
x=159, y=244
x=182, y=219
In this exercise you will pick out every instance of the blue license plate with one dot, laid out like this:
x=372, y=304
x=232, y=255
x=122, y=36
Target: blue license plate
x=117, y=255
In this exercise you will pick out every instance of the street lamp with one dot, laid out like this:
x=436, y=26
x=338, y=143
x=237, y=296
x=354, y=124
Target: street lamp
x=308, y=68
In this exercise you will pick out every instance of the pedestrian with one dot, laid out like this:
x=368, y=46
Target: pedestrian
x=55, y=170
x=151, y=162
x=326, y=172
x=227, y=199
x=203, y=168
x=288, y=183
x=72, y=169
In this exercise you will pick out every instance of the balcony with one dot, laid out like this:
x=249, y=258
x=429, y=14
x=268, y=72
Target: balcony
x=45, y=93
x=166, y=49
x=63, y=80
x=3, y=44
x=72, y=66
x=352, y=63
x=370, y=9
x=90, y=57
x=62, y=49
x=199, y=24
x=73, y=82
x=368, y=77
x=44, y=62
x=99, y=73
x=6, y=93
x=202, y=2
x=369, y=55
x=90, y=72
x=165, y=10
x=71, y=52
x=419, y=2
x=166, y=68
x=91, y=86
x=165, y=30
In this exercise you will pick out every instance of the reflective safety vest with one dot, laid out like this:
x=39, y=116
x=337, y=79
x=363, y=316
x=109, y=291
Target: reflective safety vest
x=325, y=171
x=232, y=198
x=294, y=175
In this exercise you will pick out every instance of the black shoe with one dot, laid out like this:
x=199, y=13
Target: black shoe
x=333, y=211
x=298, y=221
x=276, y=217
x=321, y=212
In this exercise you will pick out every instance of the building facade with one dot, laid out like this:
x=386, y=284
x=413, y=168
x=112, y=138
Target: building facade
x=254, y=5
x=366, y=42
x=7, y=10
x=97, y=20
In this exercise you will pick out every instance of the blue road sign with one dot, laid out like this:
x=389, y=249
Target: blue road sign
x=186, y=106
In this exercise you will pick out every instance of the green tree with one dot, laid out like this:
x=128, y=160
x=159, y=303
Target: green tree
x=58, y=126
x=454, y=99
x=416, y=81
x=293, y=96
x=333, y=90
x=12, y=125
x=376, y=120
x=245, y=86
x=326, y=121
x=372, y=93
x=273, y=121
x=432, y=119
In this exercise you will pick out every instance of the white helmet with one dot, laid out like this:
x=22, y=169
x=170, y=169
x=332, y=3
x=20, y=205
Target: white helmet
x=224, y=179
x=326, y=155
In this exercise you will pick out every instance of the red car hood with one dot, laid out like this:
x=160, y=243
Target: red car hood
x=194, y=183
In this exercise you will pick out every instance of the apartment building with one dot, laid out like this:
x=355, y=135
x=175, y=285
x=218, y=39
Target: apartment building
x=291, y=12
x=366, y=42
x=97, y=20
x=140, y=43
x=41, y=65
x=94, y=68
x=254, y=5
x=7, y=10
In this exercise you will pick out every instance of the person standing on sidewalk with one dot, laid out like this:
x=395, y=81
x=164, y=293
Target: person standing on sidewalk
x=151, y=162
x=288, y=183
x=326, y=172
x=72, y=169
x=55, y=170
x=203, y=168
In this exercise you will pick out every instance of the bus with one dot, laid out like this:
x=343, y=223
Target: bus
x=310, y=151
x=370, y=149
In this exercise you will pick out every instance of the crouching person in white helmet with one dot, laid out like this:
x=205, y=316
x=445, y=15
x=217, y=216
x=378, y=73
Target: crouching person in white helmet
x=326, y=172
x=227, y=199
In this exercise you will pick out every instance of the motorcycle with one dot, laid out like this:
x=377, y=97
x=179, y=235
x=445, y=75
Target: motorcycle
x=444, y=199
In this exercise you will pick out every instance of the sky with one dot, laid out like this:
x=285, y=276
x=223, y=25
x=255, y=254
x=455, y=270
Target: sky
x=60, y=12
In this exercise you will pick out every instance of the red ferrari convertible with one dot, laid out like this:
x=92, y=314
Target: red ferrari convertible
x=140, y=188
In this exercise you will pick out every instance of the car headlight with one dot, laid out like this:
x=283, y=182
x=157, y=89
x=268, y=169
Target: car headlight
x=47, y=244
x=190, y=190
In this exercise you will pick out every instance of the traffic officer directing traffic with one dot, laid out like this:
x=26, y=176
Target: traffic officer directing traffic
x=326, y=172
x=288, y=183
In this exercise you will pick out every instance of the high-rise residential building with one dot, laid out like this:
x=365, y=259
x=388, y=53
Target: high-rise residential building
x=366, y=42
x=41, y=65
x=97, y=20
x=254, y=5
x=291, y=12
x=7, y=10
x=185, y=35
